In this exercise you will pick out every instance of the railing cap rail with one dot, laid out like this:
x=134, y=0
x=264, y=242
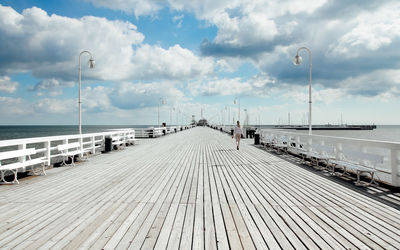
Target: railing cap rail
x=337, y=138
x=5, y=143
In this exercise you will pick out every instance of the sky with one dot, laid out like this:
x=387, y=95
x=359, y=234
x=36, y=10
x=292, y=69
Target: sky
x=180, y=57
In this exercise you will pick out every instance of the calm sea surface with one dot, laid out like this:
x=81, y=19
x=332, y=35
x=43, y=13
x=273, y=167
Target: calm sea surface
x=381, y=133
x=17, y=132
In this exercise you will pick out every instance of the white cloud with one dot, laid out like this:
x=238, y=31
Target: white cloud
x=178, y=19
x=151, y=62
x=49, y=46
x=371, y=31
x=52, y=87
x=6, y=85
x=97, y=99
x=228, y=64
x=138, y=7
x=13, y=106
x=225, y=86
x=244, y=30
x=299, y=95
x=56, y=106
x=132, y=96
x=373, y=84
x=259, y=85
x=239, y=22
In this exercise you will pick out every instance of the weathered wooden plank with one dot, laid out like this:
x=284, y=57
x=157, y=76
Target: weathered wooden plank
x=192, y=190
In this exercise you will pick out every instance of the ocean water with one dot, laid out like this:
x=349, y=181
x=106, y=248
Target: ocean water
x=18, y=132
x=381, y=133
x=389, y=133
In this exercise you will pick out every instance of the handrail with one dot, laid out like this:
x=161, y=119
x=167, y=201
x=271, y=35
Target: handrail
x=390, y=170
x=44, y=147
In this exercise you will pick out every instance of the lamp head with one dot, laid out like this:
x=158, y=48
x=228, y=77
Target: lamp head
x=234, y=101
x=91, y=63
x=297, y=60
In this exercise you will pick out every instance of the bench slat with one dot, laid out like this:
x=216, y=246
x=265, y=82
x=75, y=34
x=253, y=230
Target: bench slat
x=17, y=165
x=17, y=153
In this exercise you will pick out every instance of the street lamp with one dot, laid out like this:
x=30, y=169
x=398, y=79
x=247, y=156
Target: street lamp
x=237, y=100
x=297, y=61
x=161, y=100
x=91, y=65
x=170, y=115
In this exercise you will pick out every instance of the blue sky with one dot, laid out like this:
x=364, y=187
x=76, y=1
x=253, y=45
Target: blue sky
x=199, y=54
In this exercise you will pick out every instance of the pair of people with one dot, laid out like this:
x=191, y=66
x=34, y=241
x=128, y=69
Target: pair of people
x=237, y=133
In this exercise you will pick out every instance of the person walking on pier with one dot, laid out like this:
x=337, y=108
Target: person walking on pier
x=237, y=133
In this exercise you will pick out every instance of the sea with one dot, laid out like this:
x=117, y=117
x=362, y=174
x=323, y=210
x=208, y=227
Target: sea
x=389, y=133
x=8, y=132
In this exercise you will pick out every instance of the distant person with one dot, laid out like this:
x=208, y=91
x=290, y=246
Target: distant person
x=237, y=133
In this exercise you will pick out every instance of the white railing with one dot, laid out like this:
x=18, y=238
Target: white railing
x=388, y=172
x=152, y=132
x=47, y=146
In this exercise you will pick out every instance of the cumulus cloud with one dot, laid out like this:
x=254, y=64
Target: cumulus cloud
x=138, y=7
x=14, y=106
x=260, y=85
x=49, y=46
x=154, y=62
x=299, y=95
x=373, y=84
x=371, y=31
x=6, y=85
x=56, y=106
x=51, y=86
x=133, y=96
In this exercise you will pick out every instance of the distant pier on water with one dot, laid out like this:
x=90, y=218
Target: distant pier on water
x=192, y=189
x=327, y=127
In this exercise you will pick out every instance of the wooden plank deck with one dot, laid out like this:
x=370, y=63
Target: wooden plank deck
x=191, y=190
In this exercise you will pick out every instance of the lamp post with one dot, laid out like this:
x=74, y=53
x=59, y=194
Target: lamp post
x=297, y=61
x=229, y=115
x=237, y=100
x=160, y=101
x=170, y=116
x=246, y=122
x=91, y=65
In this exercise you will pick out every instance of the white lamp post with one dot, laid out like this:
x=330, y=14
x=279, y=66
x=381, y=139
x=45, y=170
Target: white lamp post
x=91, y=65
x=237, y=100
x=297, y=61
x=161, y=101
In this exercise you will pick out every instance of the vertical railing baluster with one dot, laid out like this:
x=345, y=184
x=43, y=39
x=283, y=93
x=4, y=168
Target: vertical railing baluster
x=47, y=145
x=93, y=145
x=395, y=165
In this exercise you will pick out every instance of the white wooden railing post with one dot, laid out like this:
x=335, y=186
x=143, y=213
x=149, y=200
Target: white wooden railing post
x=93, y=145
x=309, y=143
x=339, y=150
x=365, y=161
x=81, y=144
x=20, y=147
x=395, y=164
x=47, y=145
x=298, y=144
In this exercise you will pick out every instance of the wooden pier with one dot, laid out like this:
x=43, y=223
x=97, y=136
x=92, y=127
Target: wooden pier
x=191, y=190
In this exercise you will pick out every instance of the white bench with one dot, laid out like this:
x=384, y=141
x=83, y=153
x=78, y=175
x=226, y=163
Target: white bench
x=69, y=150
x=358, y=162
x=118, y=142
x=318, y=153
x=13, y=167
x=131, y=139
x=280, y=143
